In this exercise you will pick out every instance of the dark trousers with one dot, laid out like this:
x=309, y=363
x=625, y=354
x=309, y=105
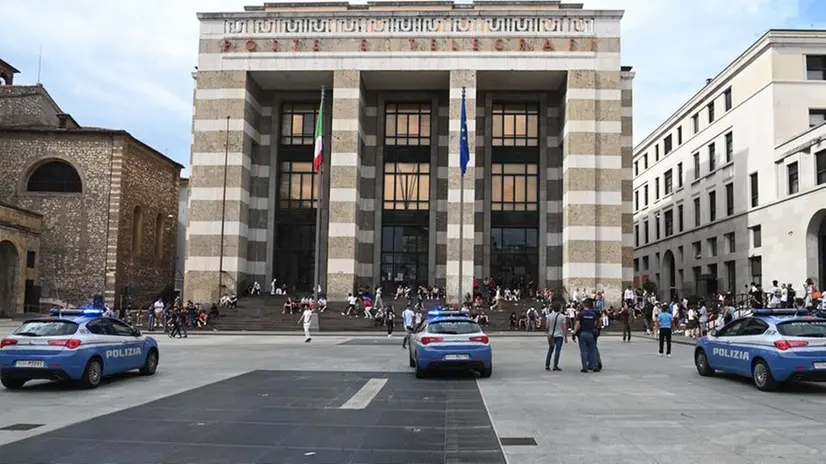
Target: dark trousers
x=626, y=331
x=588, y=350
x=390, y=327
x=665, y=337
x=554, y=349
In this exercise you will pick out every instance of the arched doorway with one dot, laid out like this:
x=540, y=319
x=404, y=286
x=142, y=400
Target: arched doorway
x=816, y=248
x=669, y=274
x=9, y=271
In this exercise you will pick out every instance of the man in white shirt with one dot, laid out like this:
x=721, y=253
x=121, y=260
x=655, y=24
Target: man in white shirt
x=407, y=317
x=307, y=320
x=776, y=294
x=629, y=297
x=784, y=296
x=157, y=314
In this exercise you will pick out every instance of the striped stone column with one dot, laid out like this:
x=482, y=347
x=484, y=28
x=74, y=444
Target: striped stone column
x=260, y=188
x=627, y=150
x=553, y=197
x=592, y=169
x=367, y=273
x=342, y=200
x=459, y=79
x=220, y=94
x=443, y=131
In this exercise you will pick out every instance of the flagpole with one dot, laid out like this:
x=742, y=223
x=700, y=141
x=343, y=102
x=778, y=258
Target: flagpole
x=317, y=265
x=461, y=212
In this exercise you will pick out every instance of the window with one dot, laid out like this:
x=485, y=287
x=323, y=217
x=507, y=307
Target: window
x=515, y=187
x=710, y=109
x=407, y=124
x=680, y=135
x=712, y=206
x=815, y=67
x=31, y=259
x=636, y=235
x=680, y=253
x=298, y=123
x=712, y=156
x=730, y=242
x=407, y=186
x=696, y=271
x=636, y=200
x=727, y=99
x=636, y=265
x=667, y=182
x=816, y=117
x=137, y=231
x=645, y=229
x=669, y=223
x=657, y=226
x=794, y=178
x=656, y=153
x=679, y=175
x=696, y=165
x=756, y=264
x=404, y=255
x=697, y=248
x=729, y=147
x=514, y=253
x=755, y=192
x=637, y=167
x=730, y=275
x=820, y=167
x=695, y=123
x=645, y=195
x=656, y=188
x=712, y=247
x=55, y=177
x=680, y=224
x=645, y=161
x=645, y=263
x=729, y=199
x=159, y=229
x=297, y=186
x=697, y=212
x=756, y=237
x=515, y=125
x=294, y=251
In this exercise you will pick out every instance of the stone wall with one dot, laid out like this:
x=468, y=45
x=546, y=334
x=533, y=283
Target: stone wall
x=26, y=106
x=20, y=229
x=152, y=183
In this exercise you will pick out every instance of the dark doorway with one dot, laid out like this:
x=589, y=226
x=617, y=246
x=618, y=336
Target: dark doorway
x=669, y=273
x=816, y=248
x=9, y=272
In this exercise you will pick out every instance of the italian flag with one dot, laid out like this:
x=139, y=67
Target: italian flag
x=319, y=139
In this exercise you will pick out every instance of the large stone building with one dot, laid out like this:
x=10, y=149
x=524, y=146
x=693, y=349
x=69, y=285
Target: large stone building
x=85, y=210
x=548, y=192
x=731, y=188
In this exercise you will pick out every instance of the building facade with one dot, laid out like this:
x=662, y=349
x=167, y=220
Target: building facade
x=99, y=207
x=729, y=190
x=547, y=195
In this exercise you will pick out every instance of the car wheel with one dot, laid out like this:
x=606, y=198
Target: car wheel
x=92, y=375
x=12, y=384
x=701, y=361
x=762, y=376
x=151, y=364
x=486, y=372
x=410, y=360
x=420, y=373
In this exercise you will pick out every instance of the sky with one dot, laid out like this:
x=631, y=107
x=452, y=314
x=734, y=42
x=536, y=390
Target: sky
x=127, y=64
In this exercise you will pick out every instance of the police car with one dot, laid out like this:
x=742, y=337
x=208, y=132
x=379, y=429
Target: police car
x=450, y=339
x=78, y=345
x=772, y=346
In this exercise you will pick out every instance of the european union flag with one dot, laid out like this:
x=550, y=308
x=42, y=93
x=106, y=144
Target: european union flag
x=464, y=149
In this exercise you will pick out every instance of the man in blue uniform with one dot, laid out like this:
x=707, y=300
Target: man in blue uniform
x=665, y=319
x=585, y=329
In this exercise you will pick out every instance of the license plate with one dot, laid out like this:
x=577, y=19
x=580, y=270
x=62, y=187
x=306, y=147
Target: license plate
x=820, y=365
x=30, y=364
x=456, y=357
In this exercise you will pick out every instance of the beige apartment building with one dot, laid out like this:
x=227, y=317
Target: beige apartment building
x=547, y=194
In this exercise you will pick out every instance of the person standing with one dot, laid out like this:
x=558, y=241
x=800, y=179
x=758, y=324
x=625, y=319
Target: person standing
x=389, y=320
x=626, y=315
x=306, y=319
x=557, y=332
x=584, y=329
x=665, y=319
x=407, y=319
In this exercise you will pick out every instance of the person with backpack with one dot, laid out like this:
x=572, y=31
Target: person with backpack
x=532, y=316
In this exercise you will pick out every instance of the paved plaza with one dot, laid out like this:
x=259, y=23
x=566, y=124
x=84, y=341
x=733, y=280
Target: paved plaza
x=275, y=399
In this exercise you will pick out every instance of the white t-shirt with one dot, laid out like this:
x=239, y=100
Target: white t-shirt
x=629, y=294
x=307, y=316
x=692, y=314
x=351, y=300
x=158, y=306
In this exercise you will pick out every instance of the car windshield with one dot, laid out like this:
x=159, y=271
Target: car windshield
x=46, y=328
x=814, y=329
x=453, y=327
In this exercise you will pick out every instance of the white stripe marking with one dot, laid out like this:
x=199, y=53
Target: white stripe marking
x=364, y=396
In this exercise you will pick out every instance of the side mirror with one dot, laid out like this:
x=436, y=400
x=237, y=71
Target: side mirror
x=712, y=333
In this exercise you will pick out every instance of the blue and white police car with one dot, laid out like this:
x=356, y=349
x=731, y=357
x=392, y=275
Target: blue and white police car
x=772, y=346
x=78, y=345
x=450, y=340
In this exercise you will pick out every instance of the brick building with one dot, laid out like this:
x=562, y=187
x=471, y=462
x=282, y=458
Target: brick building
x=107, y=205
x=548, y=191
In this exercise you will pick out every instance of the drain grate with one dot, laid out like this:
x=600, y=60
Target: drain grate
x=20, y=427
x=517, y=441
